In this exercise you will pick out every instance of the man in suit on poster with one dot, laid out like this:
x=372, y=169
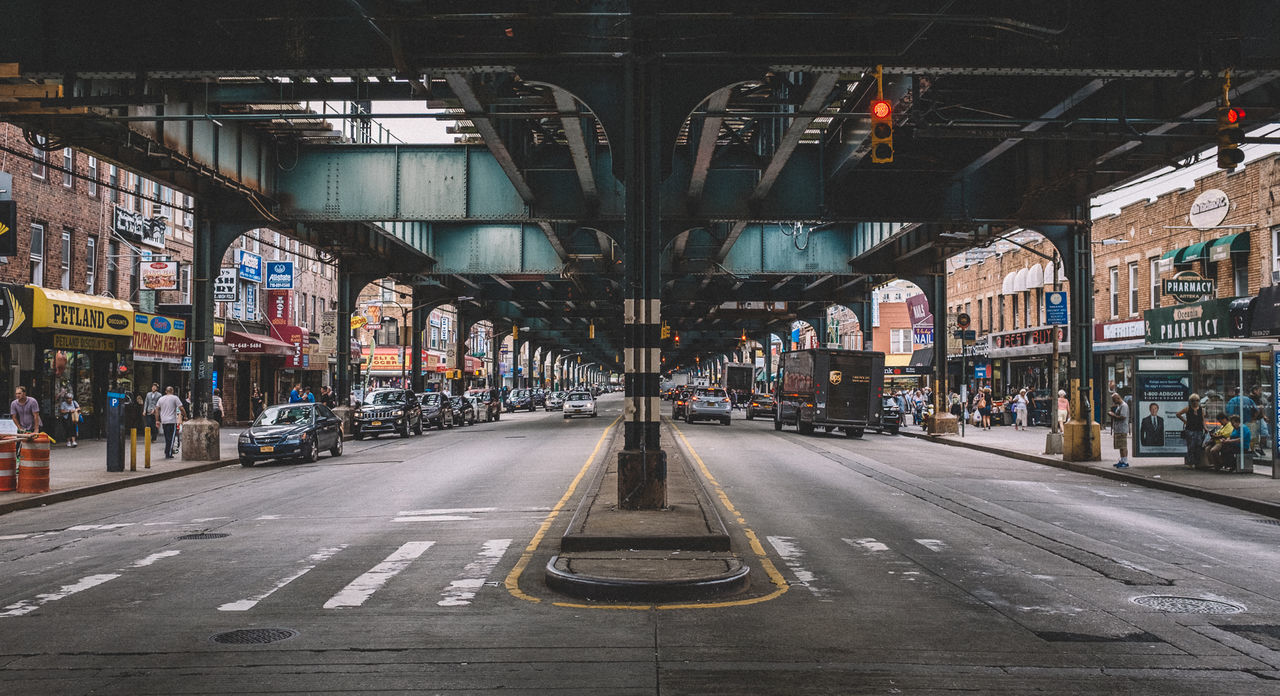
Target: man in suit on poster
x=1151, y=433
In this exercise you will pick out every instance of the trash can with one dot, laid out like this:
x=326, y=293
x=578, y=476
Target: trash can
x=117, y=430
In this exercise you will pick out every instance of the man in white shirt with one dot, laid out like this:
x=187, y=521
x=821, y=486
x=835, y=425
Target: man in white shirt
x=169, y=412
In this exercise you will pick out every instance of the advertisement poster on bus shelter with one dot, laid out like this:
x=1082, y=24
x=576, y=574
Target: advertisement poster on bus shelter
x=1158, y=396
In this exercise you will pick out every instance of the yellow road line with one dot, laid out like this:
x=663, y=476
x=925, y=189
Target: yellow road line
x=513, y=578
x=779, y=582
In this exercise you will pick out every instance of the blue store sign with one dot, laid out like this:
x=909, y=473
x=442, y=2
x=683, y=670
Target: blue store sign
x=280, y=275
x=250, y=266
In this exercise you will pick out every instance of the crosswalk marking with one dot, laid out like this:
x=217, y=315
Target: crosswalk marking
x=791, y=554
x=447, y=511
x=311, y=562
x=27, y=606
x=869, y=544
x=91, y=527
x=363, y=587
x=459, y=593
x=434, y=518
x=932, y=544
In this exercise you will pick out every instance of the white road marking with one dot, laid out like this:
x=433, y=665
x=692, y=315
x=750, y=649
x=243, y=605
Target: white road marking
x=11, y=537
x=434, y=518
x=209, y=519
x=447, y=511
x=311, y=562
x=869, y=544
x=932, y=544
x=90, y=527
x=459, y=593
x=267, y=517
x=27, y=606
x=791, y=555
x=363, y=587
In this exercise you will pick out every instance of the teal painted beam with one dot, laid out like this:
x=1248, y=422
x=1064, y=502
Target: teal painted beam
x=492, y=249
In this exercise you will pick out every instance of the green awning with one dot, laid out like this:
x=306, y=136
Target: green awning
x=1170, y=254
x=1195, y=252
x=1221, y=249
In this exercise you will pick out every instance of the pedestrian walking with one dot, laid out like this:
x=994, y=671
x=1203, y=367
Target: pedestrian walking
x=69, y=414
x=1064, y=408
x=1119, y=414
x=1020, y=410
x=169, y=412
x=25, y=412
x=984, y=407
x=256, y=402
x=149, y=408
x=217, y=406
x=1193, y=430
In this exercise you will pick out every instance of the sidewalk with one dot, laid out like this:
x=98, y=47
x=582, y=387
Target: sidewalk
x=1256, y=492
x=75, y=472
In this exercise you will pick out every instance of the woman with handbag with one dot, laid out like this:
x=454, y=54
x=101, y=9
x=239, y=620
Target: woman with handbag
x=1193, y=430
x=69, y=414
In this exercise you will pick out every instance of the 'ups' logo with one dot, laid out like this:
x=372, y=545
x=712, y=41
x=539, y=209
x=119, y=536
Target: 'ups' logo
x=836, y=376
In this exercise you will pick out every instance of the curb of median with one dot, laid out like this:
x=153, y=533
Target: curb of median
x=43, y=499
x=1260, y=507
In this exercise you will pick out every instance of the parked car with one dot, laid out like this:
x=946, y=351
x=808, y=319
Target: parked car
x=555, y=400
x=539, y=398
x=464, y=412
x=709, y=403
x=579, y=403
x=488, y=404
x=290, y=431
x=760, y=405
x=890, y=416
x=679, y=403
x=388, y=411
x=436, y=410
x=520, y=400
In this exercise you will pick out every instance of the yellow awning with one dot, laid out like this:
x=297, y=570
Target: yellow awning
x=73, y=311
x=897, y=359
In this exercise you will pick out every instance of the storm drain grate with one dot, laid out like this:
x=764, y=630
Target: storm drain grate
x=1270, y=521
x=254, y=636
x=204, y=535
x=1187, y=605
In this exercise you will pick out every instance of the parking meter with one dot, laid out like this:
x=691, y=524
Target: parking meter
x=116, y=435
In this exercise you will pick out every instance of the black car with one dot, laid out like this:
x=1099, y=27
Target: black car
x=681, y=403
x=890, y=416
x=388, y=411
x=488, y=404
x=520, y=400
x=464, y=413
x=539, y=397
x=437, y=410
x=291, y=431
x=760, y=405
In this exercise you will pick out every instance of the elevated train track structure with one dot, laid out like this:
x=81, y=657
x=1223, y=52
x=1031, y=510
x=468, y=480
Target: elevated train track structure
x=629, y=163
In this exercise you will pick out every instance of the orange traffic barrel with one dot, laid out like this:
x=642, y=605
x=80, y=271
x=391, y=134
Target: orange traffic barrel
x=33, y=469
x=8, y=464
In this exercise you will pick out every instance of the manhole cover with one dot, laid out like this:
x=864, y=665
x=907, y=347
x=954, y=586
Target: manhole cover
x=1187, y=605
x=204, y=535
x=254, y=636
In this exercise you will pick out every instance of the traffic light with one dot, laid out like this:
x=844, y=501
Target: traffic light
x=881, y=131
x=677, y=339
x=1229, y=137
x=666, y=330
x=515, y=333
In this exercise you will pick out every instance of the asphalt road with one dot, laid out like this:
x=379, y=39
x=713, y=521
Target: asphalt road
x=405, y=566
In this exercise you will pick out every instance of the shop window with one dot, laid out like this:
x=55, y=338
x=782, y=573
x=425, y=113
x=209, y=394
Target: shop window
x=1133, y=289
x=65, y=260
x=1154, y=265
x=92, y=185
x=68, y=167
x=91, y=265
x=39, y=159
x=1114, y=291
x=899, y=341
x=37, y=255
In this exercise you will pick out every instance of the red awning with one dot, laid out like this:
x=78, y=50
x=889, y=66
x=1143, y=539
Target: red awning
x=256, y=343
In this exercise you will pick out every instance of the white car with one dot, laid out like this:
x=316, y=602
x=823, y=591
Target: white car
x=579, y=403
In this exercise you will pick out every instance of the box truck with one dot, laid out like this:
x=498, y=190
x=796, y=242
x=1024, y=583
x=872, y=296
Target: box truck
x=828, y=388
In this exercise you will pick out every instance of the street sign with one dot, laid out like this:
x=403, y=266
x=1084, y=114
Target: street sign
x=1055, y=308
x=962, y=320
x=969, y=335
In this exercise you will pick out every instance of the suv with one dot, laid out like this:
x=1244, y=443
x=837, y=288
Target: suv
x=464, y=412
x=760, y=405
x=388, y=411
x=488, y=404
x=708, y=403
x=436, y=410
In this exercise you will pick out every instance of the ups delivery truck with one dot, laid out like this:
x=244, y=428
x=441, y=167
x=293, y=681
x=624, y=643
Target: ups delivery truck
x=828, y=388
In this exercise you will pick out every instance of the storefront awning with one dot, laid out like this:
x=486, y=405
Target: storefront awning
x=1006, y=287
x=256, y=344
x=1035, y=276
x=1195, y=252
x=897, y=359
x=1221, y=249
x=73, y=311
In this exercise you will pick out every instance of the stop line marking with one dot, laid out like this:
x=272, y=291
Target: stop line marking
x=363, y=587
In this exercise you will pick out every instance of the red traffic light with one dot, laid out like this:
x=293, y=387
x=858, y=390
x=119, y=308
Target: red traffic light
x=1235, y=115
x=881, y=108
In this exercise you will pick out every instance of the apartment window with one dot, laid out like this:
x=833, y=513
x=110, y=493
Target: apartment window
x=66, y=260
x=967, y=305
x=156, y=208
x=315, y=311
x=113, y=178
x=39, y=159
x=277, y=247
x=113, y=267
x=37, y=255
x=1014, y=298
x=1240, y=274
x=435, y=337
x=68, y=167
x=899, y=340
x=388, y=293
x=166, y=203
x=1000, y=314
x=1115, y=292
x=91, y=265
x=1133, y=289
x=1028, y=312
x=92, y=185
x=302, y=313
x=188, y=218
x=137, y=193
x=1154, y=264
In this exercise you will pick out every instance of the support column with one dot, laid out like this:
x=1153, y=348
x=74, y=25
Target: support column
x=495, y=354
x=200, y=436
x=462, y=331
x=417, y=317
x=1081, y=437
x=943, y=422
x=768, y=362
x=864, y=324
